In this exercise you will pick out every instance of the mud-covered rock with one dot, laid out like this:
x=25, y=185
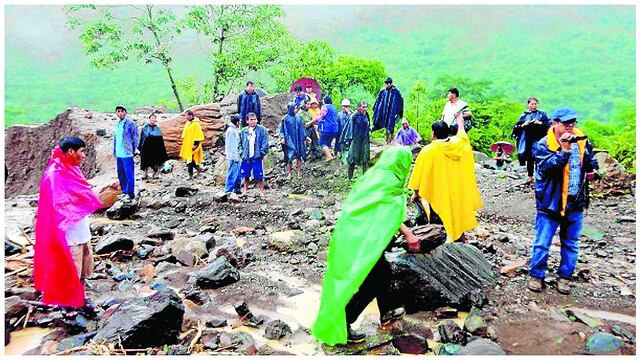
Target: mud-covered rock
x=411, y=344
x=276, y=330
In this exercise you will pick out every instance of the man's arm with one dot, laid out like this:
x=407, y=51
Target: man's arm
x=259, y=109
x=548, y=160
x=460, y=123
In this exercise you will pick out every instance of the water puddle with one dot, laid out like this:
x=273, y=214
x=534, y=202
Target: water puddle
x=606, y=315
x=25, y=340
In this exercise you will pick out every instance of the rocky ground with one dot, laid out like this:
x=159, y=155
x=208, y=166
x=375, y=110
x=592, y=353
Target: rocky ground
x=189, y=269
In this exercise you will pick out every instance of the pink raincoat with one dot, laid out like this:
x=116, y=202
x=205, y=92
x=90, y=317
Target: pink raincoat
x=65, y=198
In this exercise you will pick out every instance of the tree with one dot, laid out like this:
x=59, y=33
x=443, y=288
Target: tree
x=416, y=107
x=109, y=39
x=310, y=59
x=243, y=38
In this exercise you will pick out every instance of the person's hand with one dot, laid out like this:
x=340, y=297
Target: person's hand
x=308, y=139
x=565, y=145
x=193, y=148
x=414, y=197
x=282, y=141
x=413, y=243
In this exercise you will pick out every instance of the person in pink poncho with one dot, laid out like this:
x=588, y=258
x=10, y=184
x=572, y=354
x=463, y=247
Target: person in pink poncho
x=63, y=254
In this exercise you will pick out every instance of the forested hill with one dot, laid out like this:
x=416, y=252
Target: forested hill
x=583, y=56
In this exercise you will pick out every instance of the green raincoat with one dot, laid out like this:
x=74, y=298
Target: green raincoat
x=371, y=215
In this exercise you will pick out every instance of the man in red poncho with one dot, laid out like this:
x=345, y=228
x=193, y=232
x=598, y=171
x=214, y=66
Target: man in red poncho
x=63, y=256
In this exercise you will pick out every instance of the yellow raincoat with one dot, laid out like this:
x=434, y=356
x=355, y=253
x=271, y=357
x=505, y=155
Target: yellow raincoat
x=444, y=175
x=191, y=133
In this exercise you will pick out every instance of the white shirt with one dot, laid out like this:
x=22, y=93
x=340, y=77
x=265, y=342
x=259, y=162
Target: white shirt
x=450, y=110
x=79, y=233
x=252, y=141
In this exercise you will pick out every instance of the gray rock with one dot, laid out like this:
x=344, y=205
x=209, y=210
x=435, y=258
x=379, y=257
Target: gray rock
x=482, y=346
x=450, y=332
x=101, y=132
x=186, y=258
x=217, y=274
x=161, y=234
x=286, y=241
x=75, y=341
x=623, y=333
x=183, y=191
x=113, y=243
x=216, y=323
x=121, y=210
x=450, y=275
x=144, y=322
x=276, y=330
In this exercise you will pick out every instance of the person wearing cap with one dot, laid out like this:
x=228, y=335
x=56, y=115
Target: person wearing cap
x=407, y=135
x=564, y=165
x=249, y=102
x=125, y=145
x=387, y=109
x=308, y=90
x=452, y=108
x=343, y=118
x=327, y=121
x=356, y=139
x=300, y=97
x=232, y=152
x=530, y=128
x=192, y=138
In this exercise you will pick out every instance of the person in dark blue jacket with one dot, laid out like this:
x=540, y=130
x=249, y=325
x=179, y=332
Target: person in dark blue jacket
x=249, y=102
x=255, y=146
x=564, y=165
x=328, y=127
x=387, y=109
x=531, y=127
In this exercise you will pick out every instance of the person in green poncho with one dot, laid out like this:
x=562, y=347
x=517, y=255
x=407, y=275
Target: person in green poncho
x=355, y=137
x=357, y=271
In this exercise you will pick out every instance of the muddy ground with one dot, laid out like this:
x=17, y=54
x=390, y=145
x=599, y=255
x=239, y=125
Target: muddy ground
x=285, y=284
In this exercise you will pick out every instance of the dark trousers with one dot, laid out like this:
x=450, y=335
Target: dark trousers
x=126, y=175
x=530, y=164
x=192, y=165
x=352, y=167
x=376, y=286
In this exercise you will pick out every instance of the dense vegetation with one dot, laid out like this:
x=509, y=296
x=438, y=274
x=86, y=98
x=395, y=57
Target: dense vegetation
x=582, y=56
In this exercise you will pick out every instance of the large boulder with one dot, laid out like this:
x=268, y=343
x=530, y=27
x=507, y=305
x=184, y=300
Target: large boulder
x=450, y=275
x=614, y=181
x=144, y=322
x=211, y=122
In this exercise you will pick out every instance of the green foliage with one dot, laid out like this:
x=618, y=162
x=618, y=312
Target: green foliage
x=243, y=38
x=109, y=39
x=623, y=147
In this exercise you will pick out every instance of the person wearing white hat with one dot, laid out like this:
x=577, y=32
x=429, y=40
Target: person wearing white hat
x=343, y=118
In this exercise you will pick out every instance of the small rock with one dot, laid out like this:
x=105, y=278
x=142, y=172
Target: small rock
x=512, y=268
x=625, y=219
x=276, y=330
x=482, y=346
x=186, y=258
x=216, y=323
x=623, y=333
x=182, y=191
x=446, y=312
x=450, y=332
x=243, y=230
x=148, y=272
x=329, y=200
x=122, y=210
x=602, y=343
x=217, y=274
x=559, y=315
x=474, y=323
x=411, y=344
x=585, y=319
x=449, y=349
x=161, y=234
x=286, y=241
x=113, y=243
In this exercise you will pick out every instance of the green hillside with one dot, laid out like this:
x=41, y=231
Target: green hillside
x=583, y=56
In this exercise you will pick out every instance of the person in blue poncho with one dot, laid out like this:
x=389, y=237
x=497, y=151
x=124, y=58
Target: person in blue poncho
x=328, y=126
x=530, y=128
x=292, y=138
x=387, y=109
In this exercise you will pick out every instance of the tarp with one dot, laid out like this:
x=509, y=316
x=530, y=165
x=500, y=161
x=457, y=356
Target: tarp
x=65, y=198
x=371, y=215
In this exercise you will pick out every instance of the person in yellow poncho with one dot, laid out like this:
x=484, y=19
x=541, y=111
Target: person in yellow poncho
x=444, y=175
x=192, y=138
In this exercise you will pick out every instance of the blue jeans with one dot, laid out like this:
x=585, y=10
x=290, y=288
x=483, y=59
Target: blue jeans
x=232, y=184
x=126, y=175
x=546, y=226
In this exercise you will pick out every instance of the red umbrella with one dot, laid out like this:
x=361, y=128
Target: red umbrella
x=508, y=148
x=306, y=81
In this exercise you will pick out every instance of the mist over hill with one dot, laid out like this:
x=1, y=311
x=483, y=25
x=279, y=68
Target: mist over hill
x=583, y=56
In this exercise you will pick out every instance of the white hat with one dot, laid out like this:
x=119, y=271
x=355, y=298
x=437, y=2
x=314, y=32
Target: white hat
x=345, y=102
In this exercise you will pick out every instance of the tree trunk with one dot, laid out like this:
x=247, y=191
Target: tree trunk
x=174, y=87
